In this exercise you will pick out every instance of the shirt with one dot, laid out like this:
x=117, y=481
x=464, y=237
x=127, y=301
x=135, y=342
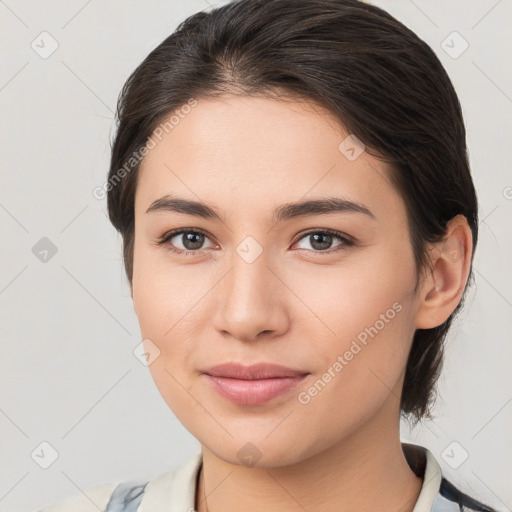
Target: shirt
x=175, y=490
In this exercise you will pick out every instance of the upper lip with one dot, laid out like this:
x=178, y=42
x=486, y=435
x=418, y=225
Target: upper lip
x=252, y=372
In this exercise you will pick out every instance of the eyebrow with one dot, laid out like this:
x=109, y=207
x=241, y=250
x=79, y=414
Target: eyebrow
x=281, y=213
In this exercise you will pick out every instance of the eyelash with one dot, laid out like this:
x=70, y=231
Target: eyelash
x=347, y=242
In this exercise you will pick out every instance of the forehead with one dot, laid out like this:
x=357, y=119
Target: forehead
x=253, y=152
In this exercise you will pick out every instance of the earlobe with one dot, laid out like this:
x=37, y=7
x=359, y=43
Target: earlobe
x=442, y=290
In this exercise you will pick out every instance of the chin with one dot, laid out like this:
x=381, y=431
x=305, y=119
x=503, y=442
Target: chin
x=258, y=450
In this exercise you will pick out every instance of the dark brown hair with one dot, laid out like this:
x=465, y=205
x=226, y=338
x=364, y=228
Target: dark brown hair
x=379, y=79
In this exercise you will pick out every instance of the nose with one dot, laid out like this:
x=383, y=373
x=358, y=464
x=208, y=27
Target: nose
x=252, y=302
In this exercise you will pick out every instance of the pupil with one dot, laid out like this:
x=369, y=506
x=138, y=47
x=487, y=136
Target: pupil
x=324, y=245
x=189, y=240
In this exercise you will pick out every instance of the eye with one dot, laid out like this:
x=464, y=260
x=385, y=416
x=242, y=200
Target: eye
x=190, y=239
x=321, y=240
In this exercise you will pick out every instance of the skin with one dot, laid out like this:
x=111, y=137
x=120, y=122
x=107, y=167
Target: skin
x=297, y=304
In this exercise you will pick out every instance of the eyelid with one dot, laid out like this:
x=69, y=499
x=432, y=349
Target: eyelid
x=348, y=239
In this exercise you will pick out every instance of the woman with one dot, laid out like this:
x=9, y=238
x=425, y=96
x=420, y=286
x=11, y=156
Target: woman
x=291, y=183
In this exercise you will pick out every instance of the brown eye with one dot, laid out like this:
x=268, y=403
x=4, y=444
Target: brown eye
x=191, y=240
x=322, y=240
x=183, y=240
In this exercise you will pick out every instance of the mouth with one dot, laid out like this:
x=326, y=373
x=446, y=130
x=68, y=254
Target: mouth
x=255, y=384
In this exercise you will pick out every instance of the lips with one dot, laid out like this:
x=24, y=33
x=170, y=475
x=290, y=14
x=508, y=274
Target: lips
x=252, y=385
x=252, y=372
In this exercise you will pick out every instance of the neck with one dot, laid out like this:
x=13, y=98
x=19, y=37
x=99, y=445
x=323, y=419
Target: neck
x=365, y=471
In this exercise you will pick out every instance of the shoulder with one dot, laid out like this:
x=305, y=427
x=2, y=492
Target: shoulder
x=91, y=500
x=437, y=494
x=451, y=498
x=175, y=487
x=102, y=498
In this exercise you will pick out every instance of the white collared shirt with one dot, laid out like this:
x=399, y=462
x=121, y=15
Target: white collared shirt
x=175, y=491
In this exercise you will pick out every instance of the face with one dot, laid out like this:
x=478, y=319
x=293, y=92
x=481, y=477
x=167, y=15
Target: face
x=325, y=291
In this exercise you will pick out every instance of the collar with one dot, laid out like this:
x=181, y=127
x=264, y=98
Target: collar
x=425, y=465
x=177, y=488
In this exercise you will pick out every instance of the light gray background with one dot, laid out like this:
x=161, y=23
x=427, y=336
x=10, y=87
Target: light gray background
x=67, y=326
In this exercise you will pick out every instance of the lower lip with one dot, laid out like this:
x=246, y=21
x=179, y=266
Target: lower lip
x=252, y=392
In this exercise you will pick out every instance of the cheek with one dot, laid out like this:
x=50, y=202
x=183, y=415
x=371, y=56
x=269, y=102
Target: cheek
x=163, y=303
x=361, y=368
x=363, y=318
x=168, y=301
x=164, y=294
x=352, y=295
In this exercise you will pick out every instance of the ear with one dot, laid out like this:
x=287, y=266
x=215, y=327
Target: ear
x=443, y=287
